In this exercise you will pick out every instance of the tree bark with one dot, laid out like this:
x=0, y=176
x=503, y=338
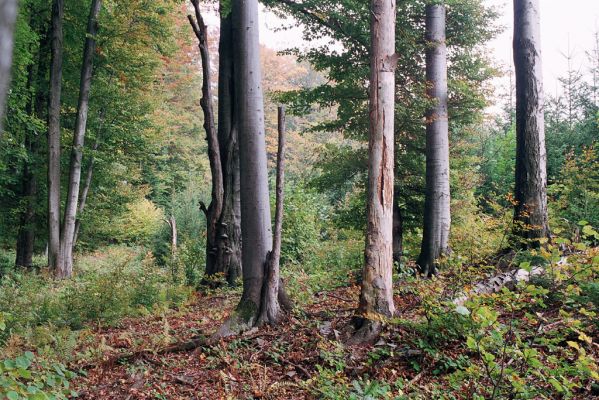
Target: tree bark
x=229, y=225
x=270, y=308
x=437, y=217
x=397, y=230
x=85, y=192
x=530, y=214
x=55, y=261
x=8, y=17
x=376, y=298
x=214, y=210
x=67, y=235
x=256, y=228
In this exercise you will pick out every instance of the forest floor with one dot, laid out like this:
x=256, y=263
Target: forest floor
x=419, y=356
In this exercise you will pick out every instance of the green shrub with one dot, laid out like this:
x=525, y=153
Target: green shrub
x=23, y=378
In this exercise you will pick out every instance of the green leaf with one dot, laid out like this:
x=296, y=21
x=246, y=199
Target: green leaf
x=12, y=395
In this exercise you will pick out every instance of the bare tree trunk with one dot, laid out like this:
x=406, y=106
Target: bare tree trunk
x=255, y=204
x=55, y=260
x=397, y=230
x=70, y=215
x=8, y=16
x=85, y=192
x=376, y=299
x=530, y=214
x=270, y=308
x=229, y=226
x=172, y=222
x=214, y=210
x=437, y=217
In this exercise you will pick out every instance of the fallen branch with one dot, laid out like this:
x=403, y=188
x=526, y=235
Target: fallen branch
x=192, y=344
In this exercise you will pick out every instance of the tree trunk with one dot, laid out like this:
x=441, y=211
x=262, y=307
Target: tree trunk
x=214, y=210
x=397, y=231
x=8, y=16
x=55, y=261
x=229, y=226
x=530, y=214
x=172, y=222
x=70, y=215
x=376, y=299
x=270, y=308
x=437, y=217
x=85, y=192
x=256, y=228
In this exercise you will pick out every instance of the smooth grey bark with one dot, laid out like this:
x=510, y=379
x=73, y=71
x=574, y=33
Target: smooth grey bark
x=8, y=17
x=214, y=210
x=70, y=216
x=530, y=214
x=229, y=226
x=54, y=255
x=172, y=223
x=437, y=216
x=270, y=311
x=85, y=192
x=256, y=227
x=376, y=298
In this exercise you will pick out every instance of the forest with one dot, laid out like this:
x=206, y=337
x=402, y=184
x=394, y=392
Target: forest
x=188, y=213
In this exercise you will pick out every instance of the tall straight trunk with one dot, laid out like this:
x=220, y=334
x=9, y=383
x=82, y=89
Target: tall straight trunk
x=256, y=230
x=55, y=260
x=85, y=192
x=530, y=214
x=70, y=216
x=376, y=298
x=437, y=217
x=8, y=17
x=229, y=225
x=214, y=210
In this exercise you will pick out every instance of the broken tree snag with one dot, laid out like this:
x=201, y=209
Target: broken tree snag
x=214, y=210
x=376, y=298
x=271, y=309
x=530, y=213
x=437, y=216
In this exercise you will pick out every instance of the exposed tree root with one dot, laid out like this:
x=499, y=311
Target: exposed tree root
x=367, y=332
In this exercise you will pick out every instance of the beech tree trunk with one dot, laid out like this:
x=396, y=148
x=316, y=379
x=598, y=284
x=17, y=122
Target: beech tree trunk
x=55, y=261
x=437, y=217
x=376, y=299
x=229, y=225
x=8, y=16
x=85, y=192
x=214, y=210
x=530, y=214
x=256, y=228
x=68, y=233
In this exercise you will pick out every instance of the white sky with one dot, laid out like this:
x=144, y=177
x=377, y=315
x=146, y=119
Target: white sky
x=562, y=21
